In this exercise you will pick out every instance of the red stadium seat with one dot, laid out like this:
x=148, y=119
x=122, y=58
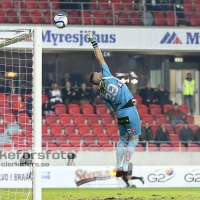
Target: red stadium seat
x=197, y=5
x=97, y=129
x=161, y=119
x=46, y=139
x=123, y=18
x=69, y=129
x=60, y=109
x=92, y=119
x=55, y=129
x=165, y=147
x=6, y=147
x=6, y=3
x=110, y=19
x=12, y=16
x=174, y=139
x=115, y=4
x=94, y=147
x=159, y=19
x=17, y=138
x=74, y=139
x=60, y=139
x=108, y=147
x=36, y=17
x=51, y=147
x=190, y=119
x=169, y=128
x=55, y=4
x=152, y=147
x=184, y=109
x=44, y=97
x=2, y=17
x=3, y=98
x=139, y=147
x=194, y=19
x=193, y=147
x=147, y=118
x=142, y=109
x=87, y=109
x=51, y=119
x=23, y=120
x=155, y=110
x=85, y=18
x=111, y=129
x=89, y=139
x=115, y=138
x=83, y=129
x=21, y=147
x=30, y=4
x=18, y=4
x=73, y=109
x=73, y=17
x=48, y=19
x=187, y=6
x=167, y=107
x=179, y=147
x=99, y=18
x=8, y=118
x=170, y=18
x=5, y=109
x=103, y=139
x=93, y=5
x=154, y=127
x=2, y=129
x=101, y=109
x=194, y=127
x=138, y=99
x=43, y=4
x=127, y=4
x=65, y=147
x=44, y=129
x=178, y=128
x=29, y=139
x=103, y=4
x=64, y=119
x=106, y=119
x=135, y=18
x=79, y=119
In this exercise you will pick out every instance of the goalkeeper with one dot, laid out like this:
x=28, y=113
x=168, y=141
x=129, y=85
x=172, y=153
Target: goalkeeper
x=118, y=99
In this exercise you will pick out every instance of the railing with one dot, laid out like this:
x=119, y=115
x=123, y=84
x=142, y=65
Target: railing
x=107, y=13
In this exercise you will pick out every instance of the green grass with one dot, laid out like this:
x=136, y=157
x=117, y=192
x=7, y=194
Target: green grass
x=110, y=194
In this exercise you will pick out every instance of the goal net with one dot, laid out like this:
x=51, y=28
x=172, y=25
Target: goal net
x=20, y=106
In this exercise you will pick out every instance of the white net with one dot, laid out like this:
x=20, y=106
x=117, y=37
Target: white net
x=16, y=130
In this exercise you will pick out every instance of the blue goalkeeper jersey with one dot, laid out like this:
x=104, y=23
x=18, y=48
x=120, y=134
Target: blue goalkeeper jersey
x=114, y=92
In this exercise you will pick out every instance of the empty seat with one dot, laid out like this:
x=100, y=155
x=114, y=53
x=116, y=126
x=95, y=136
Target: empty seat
x=2, y=17
x=99, y=18
x=174, y=139
x=5, y=109
x=64, y=119
x=139, y=147
x=123, y=18
x=79, y=147
x=178, y=128
x=73, y=17
x=73, y=109
x=101, y=109
x=36, y=17
x=74, y=139
x=18, y=4
x=110, y=20
x=23, y=120
x=161, y=119
x=79, y=119
x=85, y=18
x=69, y=129
x=165, y=147
x=48, y=18
x=103, y=139
x=152, y=147
x=21, y=147
x=60, y=139
x=115, y=138
x=55, y=4
x=17, y=138
x=135, y=18
x=169, y=128
x=170, y=18
x=92, y=119
x=6, y=147
x=197, y=5
x=30, y=4
x=138, y=99
x=184, y=109
x=55, y=129
x=147, y=118
x=89, y=139
x=51, y=147
x=94, y=147
x=193, y=147
x=13, y=98
x=108, y=147
x=12, y=16
x=43, y=5
x=188, y=7
x=159, y=19
x=3, y=98
x=111, y=129
x=46, y=138
x=93, y=5
x=97, y=129
x=106, y=119
x=167, y=107
x=155, y=110
x=194, y=127
x=29, y=139
x=44, y=129
x=142, y=109
x=87, y=109
x=115, y=4
x=127, y=4
x=83, y=129
x=2, y=129
x=154, y=127
x=65, y=147
x=44, y=97
x=8, y=118
x=60, y=109
x=51, y=119
x=179, y=147
x=6, y=3
x=103, y=4
x=194, y=19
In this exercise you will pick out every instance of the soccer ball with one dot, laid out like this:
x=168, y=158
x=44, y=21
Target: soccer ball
x=60, y=21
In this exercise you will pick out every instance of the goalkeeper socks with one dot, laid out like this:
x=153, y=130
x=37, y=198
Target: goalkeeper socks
x=127, y=157
x=94, y=44
x=119, y=154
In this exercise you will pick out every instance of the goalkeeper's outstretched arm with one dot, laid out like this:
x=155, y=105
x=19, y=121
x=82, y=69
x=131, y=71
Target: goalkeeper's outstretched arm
x=97, y=51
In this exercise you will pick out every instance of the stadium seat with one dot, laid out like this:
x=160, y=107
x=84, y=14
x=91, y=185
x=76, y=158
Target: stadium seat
x=64, y=119
x=85, y=18
x=93, y=5
x=43, y=4
x=179, y=147
x=18, y=4
x=73, y=109
x=99, y=18
x=115, y=138
x=2, y=17
x=147, y=118
x=127, y=4
x=161, y=119
x=170, y=18
x=79, y=119
x=101, y=109
x=108, y=147
x=178, y=128
x=103, y=4
x=29, y=139
x=154, y=127
x=193, y=147
x=139, y=147
x=12, y=16
x=25, y=17
x=194, y=19
x=3, y=98
x=74, y=139
x=6, y=147
x=155, y=110
x=55, y=129
x=44, y=129
x=123, y=18
x=65, y=147
x=97, y=129
x=87, y=109
x=183, y=108
x=6, y=3
x=36, y=17
x=69, y=129
x=167, y=107
x=17, y=138
x=135, y=18
x=111, y=129
x=159, y=19
x=55, y=4
x=21, y=147
x=169, y=128
x=83, y=129
x=89, y=139
x=23, y=120
x=174, y=139
x=197, y=5
x=44, y=97
x=47, y=17
x=190, y=119
x=79, y=147
x=106, y=119
x=73, y=17
x=165, y=147
x=5, y=109
x=115, y=4
x=2, y=129
x=60, y=109
x=8, y=118
x=51, y=147
x=103, y=139
x=138, y=99
x=26, y=96
x=194, y=127
x=152, y=147
x=187, y=7
x=92, y=119
x=142, y=109
x=51, y=119
x=110, y=20
x=46, y=138
x=30, y=4
x=94, y=147
x=60, y=139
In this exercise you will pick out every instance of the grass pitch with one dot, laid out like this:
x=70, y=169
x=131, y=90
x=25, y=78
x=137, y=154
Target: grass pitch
x=108, y=194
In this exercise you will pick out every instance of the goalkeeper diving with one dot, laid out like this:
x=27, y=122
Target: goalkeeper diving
x=118, y=99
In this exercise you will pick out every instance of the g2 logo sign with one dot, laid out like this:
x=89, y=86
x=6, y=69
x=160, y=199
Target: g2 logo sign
x=194, y=176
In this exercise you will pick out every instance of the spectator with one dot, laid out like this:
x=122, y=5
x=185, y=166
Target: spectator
x=2, y=83
x=22, y=84
x=65, y=79
x=186, y=135
x=179, y=8
x=47, y=108
x=29, y=102
x=49, y=82
x=55, y=95
x=19, y=107
x=162, y=135
x=94, y=95
x=148, y=95
x=162, y=96
x=197, y=136
x=83, y=95
x=142, y=82
x=188, y=89
x=146, y=134
x=10, y=88
x=69, y=94
x=175, y=116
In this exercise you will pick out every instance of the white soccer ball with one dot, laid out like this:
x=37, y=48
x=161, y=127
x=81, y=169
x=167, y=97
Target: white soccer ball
x=60, y=21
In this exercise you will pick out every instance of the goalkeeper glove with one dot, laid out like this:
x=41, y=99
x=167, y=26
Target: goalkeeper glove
x=92, y=39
